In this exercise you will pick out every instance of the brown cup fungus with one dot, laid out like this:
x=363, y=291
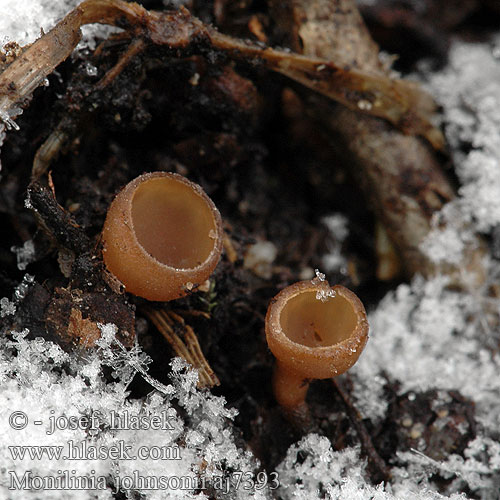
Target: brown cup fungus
x=315, y=332
x=162, y=236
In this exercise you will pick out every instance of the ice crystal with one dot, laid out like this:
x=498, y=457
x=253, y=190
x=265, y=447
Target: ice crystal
x=478, y=470
x=311, y=470
x=43, y=384
x=338, y=231
x=22, y=22
x=324, y=292
x=6, y=307
x=25, y=254
x=22, y=289
x=319, y=276
x=440, y=334
x=469, y=90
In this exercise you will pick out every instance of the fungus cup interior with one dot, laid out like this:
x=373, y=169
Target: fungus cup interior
x=173, y=223
x=311, y=322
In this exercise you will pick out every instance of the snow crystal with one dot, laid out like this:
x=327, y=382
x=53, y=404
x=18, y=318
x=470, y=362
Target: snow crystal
x=441, y=335
x=25, y=254
x=325, y=292
x=259, y=258
x=338, y=231
x=444, y=245
x=319, y=276
x=479, y=470
x=469, y=90
x=6, y=307
x=23, y=22
x=41, y=383
x=311, y=470
x=22, y=289
x=7, y=118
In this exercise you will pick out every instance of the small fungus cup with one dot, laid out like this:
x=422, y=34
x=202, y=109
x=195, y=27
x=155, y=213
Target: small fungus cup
x=315, y=332
x=162, y=236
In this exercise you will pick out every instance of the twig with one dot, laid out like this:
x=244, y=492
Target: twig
x=401, y=103
x=193, y=312
x=136, y=47
x=56, y=221
x=382, y=471
x=31, y=68
x=189, y=349
x=48, y=151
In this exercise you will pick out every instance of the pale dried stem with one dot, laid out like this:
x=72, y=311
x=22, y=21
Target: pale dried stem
x=187, y=348
x=401, y=103
x=193, y=312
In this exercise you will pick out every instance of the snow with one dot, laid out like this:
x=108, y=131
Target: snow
x=25, y=254
x=427, y=335
x=469, y=91
x=23, y=21
x=337, y=225
x=50, y=386
x=311, y=470
x=445, y=339
x=6, y=307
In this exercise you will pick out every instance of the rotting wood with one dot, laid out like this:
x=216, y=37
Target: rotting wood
x=399, y=174
x=57, y=222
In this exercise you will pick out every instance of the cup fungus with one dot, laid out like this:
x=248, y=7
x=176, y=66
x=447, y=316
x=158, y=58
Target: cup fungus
x=315, y=332
x=162, y=235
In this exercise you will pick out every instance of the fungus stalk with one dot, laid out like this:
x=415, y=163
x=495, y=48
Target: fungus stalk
x=162, y=236
x=315, y=332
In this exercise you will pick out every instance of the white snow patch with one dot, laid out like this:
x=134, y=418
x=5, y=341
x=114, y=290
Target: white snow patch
x=469, y=90
x=426, y=336
x=337, y=225
x=259, y=257
x=23, y=21
x=311, y=470
x=25, y=254
x=44, y=384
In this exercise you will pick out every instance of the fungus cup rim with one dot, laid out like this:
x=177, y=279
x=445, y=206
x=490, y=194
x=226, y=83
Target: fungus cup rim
x=130, y=263
x=321, y=361
x=216, y=249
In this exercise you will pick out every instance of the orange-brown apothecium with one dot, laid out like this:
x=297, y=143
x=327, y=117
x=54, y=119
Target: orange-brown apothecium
x=162, y=236
x=315, y=332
